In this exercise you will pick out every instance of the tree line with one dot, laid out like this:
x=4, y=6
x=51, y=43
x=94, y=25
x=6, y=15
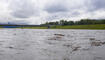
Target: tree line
x=81, y=22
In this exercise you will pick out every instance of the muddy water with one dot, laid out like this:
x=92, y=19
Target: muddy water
x=30, y=44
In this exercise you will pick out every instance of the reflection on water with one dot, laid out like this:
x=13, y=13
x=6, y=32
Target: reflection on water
x=37, y=44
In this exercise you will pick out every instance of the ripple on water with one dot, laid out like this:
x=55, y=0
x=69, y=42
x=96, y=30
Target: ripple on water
x=31, y=44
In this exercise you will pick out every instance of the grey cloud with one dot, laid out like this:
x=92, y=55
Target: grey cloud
x=23, y=14
x=95, y=5
x=21, y=22
x=63, y=15
x=53, y=9
x=64, y=9
x=75, y=13
x=56, y=8
x=98, y=4
x=23, y=8
x=61, y=9
x=64, y=6
x=58, y=16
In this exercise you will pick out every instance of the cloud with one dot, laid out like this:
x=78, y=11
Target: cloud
x=98, y=4
x=54, y=8
x=75, y=9
x=36, y=11
x=21, y=22
x=63, y=6
x=94, y=5
x=61, y=9
x=23, y=8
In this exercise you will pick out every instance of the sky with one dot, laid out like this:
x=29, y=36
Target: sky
x=41, y=11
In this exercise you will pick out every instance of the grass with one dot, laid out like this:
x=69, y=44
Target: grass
x=33, y=27
x=97, y=26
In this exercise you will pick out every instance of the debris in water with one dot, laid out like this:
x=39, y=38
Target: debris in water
x=58, y=37
x=96, y=43
x=67, y=45
x=66, y=59
x=59, y=34
x=103, y=42
x=85, y=49
x=76, y=48
x=92, y=38
x=10, y=47
x=55, y=38
x=52, y=38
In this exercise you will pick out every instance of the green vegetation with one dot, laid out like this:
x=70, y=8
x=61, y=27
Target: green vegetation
x=81, y=22
x=33, y=27
x=97, y=26
x=64, y=24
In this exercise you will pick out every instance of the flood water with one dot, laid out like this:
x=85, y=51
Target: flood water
x=46, y=44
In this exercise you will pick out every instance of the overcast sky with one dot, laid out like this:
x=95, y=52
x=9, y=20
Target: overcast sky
x=40, y=11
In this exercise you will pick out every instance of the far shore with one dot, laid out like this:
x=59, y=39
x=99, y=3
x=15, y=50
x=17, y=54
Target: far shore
x=92, y=27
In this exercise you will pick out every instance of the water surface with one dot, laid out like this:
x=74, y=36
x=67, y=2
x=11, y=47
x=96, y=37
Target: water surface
x=46, y=44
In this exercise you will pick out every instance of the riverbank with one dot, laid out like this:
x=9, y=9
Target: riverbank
x=97, y=26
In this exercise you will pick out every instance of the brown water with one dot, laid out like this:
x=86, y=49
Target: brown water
x=37, y=44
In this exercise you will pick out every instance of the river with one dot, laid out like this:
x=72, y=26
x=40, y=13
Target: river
x=52, y=44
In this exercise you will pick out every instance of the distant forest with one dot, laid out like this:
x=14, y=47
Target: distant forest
x=81, y=22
